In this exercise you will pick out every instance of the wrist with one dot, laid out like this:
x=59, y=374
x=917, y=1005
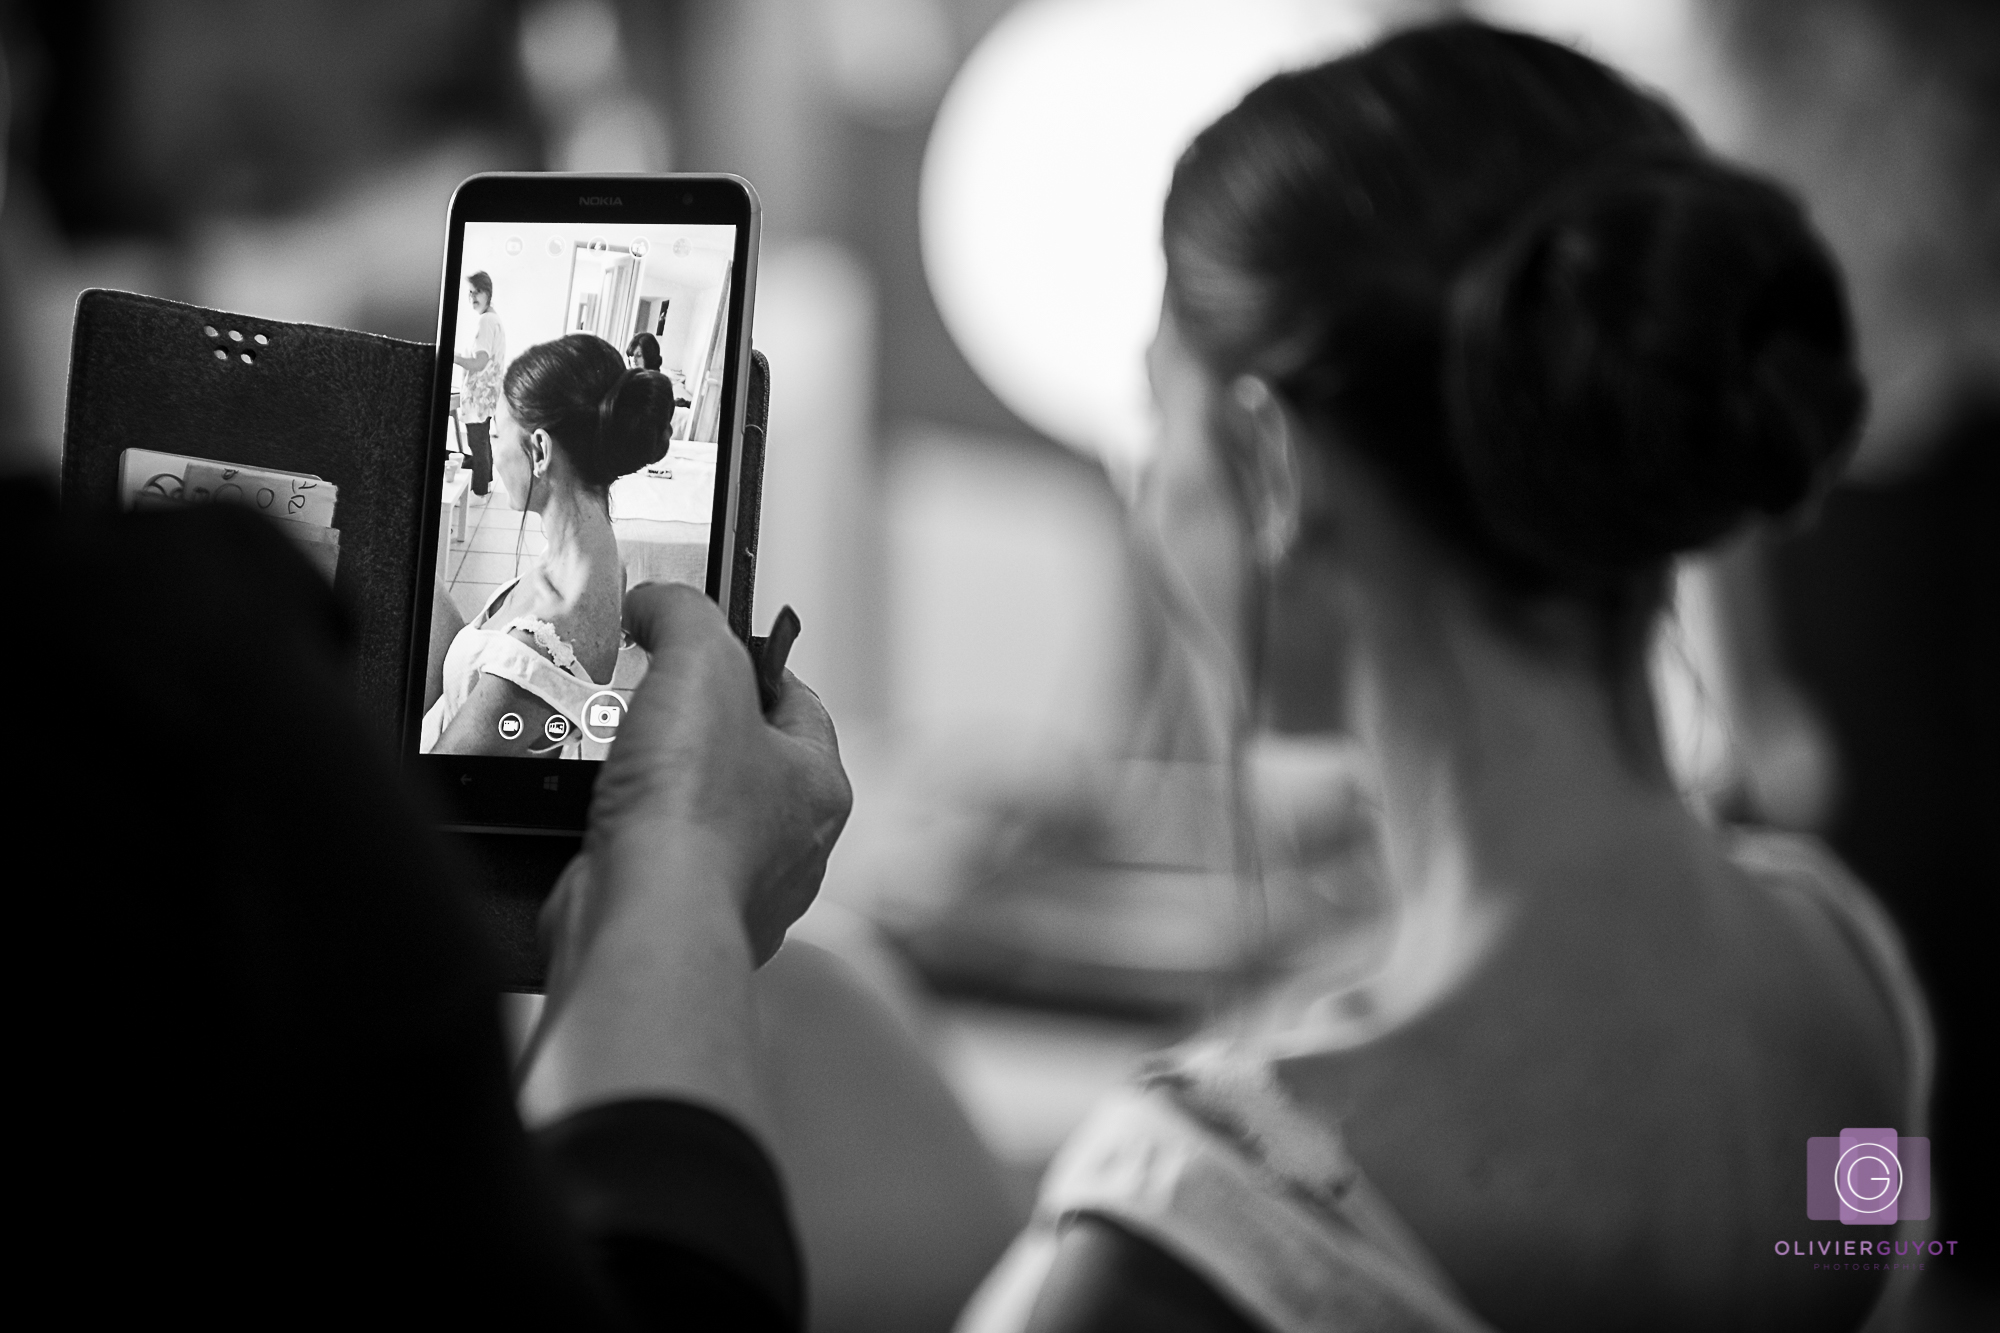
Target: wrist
x=654, y=868
x=656, y=1002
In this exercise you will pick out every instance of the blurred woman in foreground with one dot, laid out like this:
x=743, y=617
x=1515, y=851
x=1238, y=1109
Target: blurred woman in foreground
x=1473, y=338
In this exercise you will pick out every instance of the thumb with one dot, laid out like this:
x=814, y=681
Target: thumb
x=663, y=616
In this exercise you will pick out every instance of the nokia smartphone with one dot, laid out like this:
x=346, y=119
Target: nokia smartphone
x=586, y=419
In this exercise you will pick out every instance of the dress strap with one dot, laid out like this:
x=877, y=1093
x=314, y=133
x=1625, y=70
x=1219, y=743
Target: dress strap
x=547, y=640
x=493, y=604
x=1236, y=1096
x=1295, y=1259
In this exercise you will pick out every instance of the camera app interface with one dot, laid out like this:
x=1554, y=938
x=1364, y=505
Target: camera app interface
x=585, y=409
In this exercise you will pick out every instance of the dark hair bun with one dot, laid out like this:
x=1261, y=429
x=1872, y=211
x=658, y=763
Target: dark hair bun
x=607, y=419
x=634, y=420
x=1650, y=356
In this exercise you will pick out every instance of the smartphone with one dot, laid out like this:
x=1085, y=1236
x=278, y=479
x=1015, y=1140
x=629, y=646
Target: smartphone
x=586, y=422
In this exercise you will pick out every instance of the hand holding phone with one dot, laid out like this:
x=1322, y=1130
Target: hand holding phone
x=700, y=771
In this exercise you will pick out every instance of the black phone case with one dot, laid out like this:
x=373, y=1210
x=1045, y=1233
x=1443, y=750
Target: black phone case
x=353, y=408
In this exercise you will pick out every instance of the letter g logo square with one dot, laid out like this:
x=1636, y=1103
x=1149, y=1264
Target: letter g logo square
x=1868, y=1177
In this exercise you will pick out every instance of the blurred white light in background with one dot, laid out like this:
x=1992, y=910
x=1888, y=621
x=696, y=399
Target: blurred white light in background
x=1044, y=179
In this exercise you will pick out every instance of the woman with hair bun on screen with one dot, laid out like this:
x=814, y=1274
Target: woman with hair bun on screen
x=574, y=419
x=1472, y=338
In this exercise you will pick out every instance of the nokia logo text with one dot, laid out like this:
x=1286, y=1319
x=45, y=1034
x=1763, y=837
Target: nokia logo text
x=595, y=199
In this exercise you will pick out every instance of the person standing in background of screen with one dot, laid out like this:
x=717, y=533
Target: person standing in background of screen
x=643, y=352
x=482, y=380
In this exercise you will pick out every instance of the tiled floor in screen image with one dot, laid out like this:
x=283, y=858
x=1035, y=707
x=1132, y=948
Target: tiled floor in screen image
x=484, y=562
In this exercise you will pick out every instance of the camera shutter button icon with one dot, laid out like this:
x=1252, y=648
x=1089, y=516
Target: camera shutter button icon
x=603, y=712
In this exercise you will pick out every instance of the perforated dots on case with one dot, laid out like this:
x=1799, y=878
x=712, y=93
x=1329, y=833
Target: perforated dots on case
x=232, y=344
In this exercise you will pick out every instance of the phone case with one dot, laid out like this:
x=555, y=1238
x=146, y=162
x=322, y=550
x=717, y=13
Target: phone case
x=352, y=408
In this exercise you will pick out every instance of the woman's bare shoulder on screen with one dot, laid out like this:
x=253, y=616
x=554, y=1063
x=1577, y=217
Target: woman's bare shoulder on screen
x=586, y=623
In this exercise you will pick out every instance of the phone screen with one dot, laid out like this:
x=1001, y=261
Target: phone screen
x=587, y=407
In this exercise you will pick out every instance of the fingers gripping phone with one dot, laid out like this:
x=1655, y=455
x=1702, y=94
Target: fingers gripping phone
x=586, y=423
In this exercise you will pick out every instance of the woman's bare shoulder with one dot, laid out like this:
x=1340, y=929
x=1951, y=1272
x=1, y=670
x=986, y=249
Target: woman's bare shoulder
x=584, y=621
x=1757, y=935
x=1631, y=1086
x=1750, y=1002
x=538, y=596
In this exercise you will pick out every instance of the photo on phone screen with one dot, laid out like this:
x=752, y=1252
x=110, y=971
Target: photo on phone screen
x=587, y=405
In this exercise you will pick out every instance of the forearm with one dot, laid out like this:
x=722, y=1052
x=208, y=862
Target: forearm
x=475, y=727
x=659, y=1003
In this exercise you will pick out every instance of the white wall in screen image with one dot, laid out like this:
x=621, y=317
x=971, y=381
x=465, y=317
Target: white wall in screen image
x=672, y=282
